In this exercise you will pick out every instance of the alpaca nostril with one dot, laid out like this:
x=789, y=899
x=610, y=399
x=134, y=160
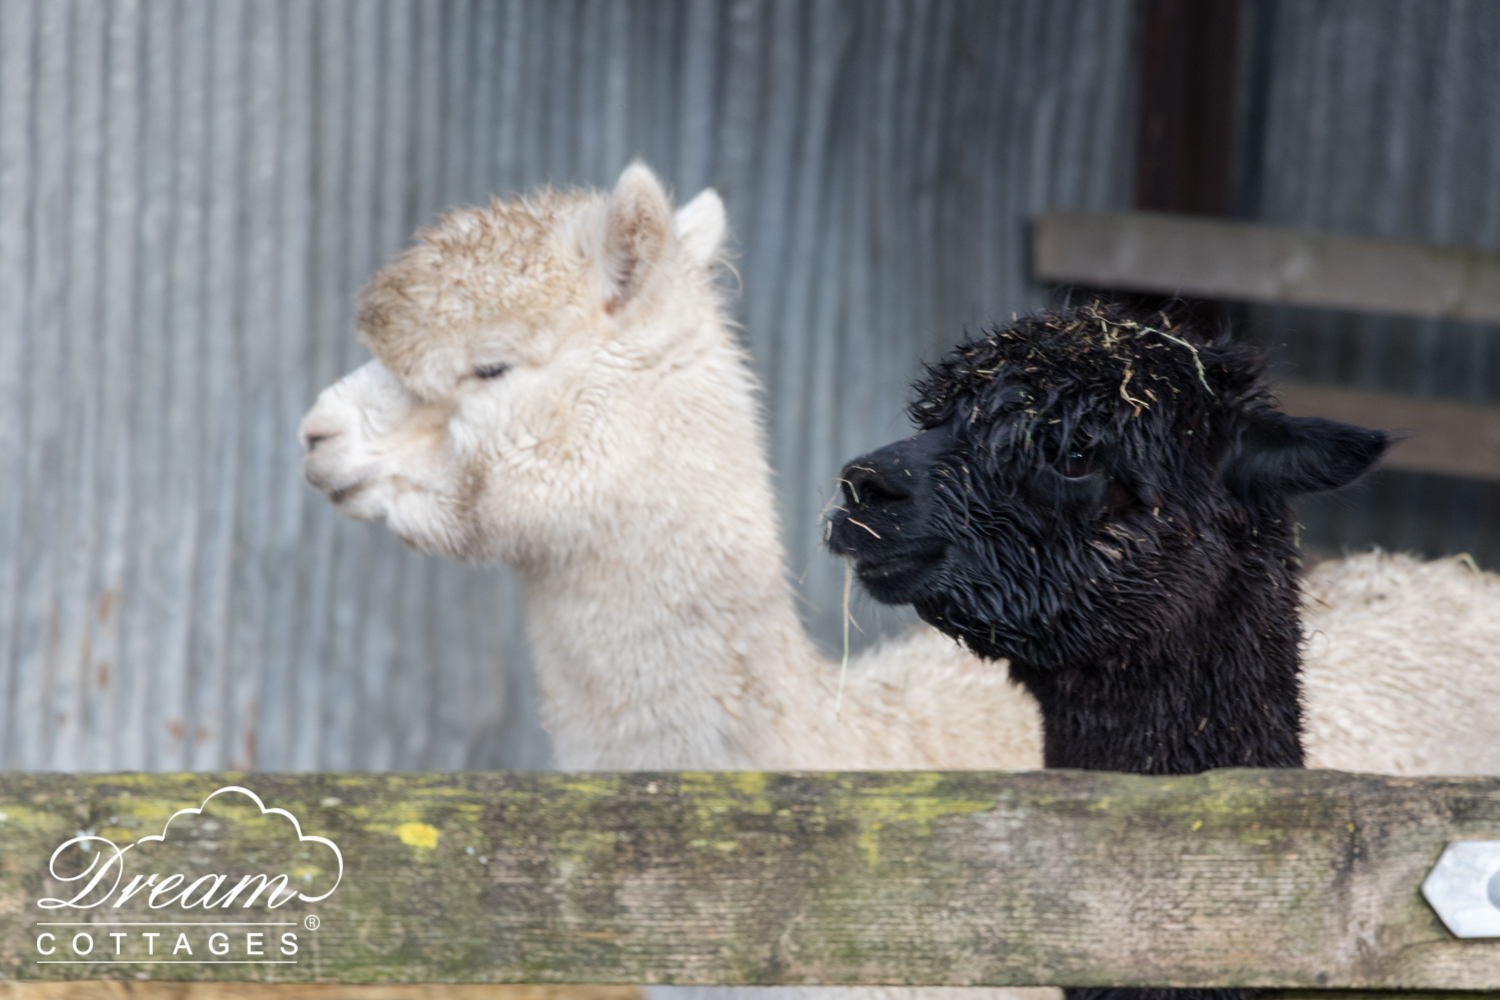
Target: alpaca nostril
x=312, y=438
x=865, y=484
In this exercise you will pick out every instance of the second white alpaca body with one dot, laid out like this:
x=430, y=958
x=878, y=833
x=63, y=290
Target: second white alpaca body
x=1399, y=672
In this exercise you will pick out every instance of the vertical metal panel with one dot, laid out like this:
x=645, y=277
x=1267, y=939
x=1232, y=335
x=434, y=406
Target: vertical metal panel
x=17, y=27
x=1382, y=117
x=192, y=193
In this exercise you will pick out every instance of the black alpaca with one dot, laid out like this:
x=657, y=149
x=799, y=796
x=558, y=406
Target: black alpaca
x=1102, y=499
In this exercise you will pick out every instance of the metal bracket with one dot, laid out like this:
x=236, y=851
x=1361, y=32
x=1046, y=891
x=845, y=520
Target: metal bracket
x=1464, y=888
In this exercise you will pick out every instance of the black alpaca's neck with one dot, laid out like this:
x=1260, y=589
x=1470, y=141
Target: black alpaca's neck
x=1223, y=694
x=1220, y=693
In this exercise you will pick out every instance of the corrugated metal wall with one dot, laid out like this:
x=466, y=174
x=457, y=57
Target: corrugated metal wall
x=191, y=194
x=1382, y=117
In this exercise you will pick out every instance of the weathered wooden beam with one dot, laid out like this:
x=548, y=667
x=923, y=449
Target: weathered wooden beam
x=11, y=989
x=1437, y=436
x=1278, y=879
x=145, y=990
x=148, y=990
x=1376, y=994
x=1210, y=258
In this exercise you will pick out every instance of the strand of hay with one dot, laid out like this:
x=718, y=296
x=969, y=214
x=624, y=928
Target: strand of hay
x=838, y=700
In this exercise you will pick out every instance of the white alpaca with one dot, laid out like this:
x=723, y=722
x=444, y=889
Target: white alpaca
x=555, y=387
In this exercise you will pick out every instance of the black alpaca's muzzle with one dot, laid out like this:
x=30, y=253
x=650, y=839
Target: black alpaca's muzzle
x=885, y=497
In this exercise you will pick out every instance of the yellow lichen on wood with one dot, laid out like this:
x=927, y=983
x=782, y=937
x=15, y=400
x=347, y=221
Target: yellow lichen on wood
x=418, y=835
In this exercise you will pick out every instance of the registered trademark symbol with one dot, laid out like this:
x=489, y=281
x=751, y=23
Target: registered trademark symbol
x=311, y=921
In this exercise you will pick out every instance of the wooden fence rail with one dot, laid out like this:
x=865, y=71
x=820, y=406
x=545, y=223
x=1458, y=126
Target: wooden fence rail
x=1267, y=878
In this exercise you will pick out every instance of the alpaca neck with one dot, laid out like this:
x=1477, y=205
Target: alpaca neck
x=669, y=640
x=647, y=670
x=1222, y=693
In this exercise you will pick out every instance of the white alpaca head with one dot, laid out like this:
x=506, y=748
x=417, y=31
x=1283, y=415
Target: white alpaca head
x=491, y=423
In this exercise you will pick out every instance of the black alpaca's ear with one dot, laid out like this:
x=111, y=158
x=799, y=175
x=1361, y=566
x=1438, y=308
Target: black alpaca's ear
x=1285, y=455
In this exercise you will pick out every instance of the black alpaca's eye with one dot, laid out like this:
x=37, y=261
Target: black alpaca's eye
x=491, y=371
x=1075, y=465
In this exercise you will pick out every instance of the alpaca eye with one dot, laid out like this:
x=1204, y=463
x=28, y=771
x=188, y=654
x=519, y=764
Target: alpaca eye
x=491, y=371
x=1075, y=465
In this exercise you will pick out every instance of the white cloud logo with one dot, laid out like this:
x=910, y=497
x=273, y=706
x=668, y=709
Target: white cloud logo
x=108, y=855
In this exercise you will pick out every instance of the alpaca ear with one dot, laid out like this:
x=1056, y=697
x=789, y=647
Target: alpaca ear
x=637, y=225
x=700, y=225
x=1287, y=455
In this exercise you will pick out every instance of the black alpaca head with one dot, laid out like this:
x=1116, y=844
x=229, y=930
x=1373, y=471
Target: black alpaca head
x=1100, y=499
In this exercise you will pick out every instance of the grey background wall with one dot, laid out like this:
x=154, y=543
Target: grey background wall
x=192, y=193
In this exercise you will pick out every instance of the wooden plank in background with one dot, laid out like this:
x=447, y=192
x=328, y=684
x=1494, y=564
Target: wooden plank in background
x=1261, y=878
x=1440, y=437
x=1191, y=256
